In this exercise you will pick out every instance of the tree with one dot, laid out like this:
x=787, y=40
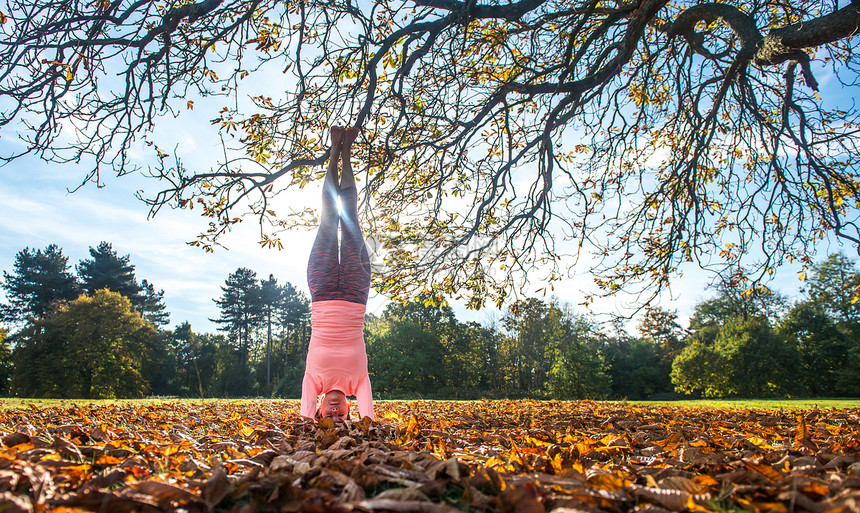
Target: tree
x=293, y=307
x=241, y=308
x=578, y=370
x=5, y=363
x=408, y=348
x=406, y=360
x=426, y=312
x=747, y=359
x=530, y=324
x=241, y=314
x=270, y=295
x=759, y=362
x=661, y=328
x=730, y=303
x=465, y=357
x=827, y=327
x=699, y=369
x=295, y=351
x=549, y=351
x=473, y=362
x=196, y=364
x=39, y=279
x=849, y=376
x=823, y=348
x=656, y=133
x=834, y=285
x=635, y=369
x=282, y=305
x=106, y=269
x=733, y=350
x=152, y=305
x=91, y=348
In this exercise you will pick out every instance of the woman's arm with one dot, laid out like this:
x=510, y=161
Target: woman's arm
x=364, y=397
x=309, y=397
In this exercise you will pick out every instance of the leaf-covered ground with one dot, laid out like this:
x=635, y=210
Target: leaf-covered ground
x=428, y=457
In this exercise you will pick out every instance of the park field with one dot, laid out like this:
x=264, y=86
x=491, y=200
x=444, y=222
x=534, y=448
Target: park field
x=745, y=404
x=760, y=404
x=430, y=456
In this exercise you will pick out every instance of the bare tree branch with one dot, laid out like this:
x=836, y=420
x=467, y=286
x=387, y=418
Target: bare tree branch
x=500, y=140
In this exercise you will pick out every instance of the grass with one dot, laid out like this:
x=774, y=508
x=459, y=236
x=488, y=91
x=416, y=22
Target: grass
x=739, y=404
x=19, y=402
x=823, y=403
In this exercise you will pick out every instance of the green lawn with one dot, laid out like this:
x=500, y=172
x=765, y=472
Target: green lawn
x=18, y=402
x=768, y=404
x=778, y=404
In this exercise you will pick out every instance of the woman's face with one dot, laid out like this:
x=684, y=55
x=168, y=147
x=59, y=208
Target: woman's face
x=334, y=406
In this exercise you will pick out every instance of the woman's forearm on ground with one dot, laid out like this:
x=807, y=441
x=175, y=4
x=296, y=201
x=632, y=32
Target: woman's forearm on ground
x=309, y=397
x=364, y=398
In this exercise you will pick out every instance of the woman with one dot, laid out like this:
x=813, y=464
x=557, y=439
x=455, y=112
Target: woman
x=339, y=283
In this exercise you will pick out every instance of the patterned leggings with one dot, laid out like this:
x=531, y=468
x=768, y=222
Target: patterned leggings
x=346, y=276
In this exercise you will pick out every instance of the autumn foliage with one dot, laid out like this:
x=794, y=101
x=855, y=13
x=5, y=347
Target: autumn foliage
x=428, y=456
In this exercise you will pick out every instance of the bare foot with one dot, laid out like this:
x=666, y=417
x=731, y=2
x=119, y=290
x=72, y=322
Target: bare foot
x=336, y=134
x=347, y=179
x=349, y=136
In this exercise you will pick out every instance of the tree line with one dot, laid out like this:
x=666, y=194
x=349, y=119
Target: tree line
x=98, y=332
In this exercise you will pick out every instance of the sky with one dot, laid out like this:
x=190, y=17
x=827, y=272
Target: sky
x=39, y=210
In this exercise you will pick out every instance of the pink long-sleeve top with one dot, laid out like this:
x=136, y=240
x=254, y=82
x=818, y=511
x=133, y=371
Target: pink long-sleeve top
x=337, y=357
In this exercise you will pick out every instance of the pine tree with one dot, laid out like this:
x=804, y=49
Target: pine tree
x=270, y=298
x=152, y=305
x=107, y=270
x=39, y=279
x=241, y=313
x=241, y=307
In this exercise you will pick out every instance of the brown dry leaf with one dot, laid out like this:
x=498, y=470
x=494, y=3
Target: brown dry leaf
x=485, y=456
x=673, y=499
x=14, y=439
x=683, y=484
x=521, y=499
x=67, y=449
x=447, y=467
x=404, y=506
x=165, y=494
x=404, y=494
x=771, y=473
x=217, y=487
x=351, y=492
x=126, y=501
x=13, y=503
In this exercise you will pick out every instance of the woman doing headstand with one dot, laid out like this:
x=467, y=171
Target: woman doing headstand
x=339, y=283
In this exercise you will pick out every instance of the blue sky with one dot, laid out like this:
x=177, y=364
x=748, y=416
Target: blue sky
x=38, y=211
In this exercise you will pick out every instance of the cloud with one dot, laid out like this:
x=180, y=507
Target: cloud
x=39, y=212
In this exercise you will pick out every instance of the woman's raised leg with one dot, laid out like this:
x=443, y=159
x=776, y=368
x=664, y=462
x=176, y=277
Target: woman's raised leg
x=354, y=260
x=347, y=178
x=323, y=266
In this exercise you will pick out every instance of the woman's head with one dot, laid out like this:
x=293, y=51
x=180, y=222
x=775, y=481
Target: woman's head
x=334, y=405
